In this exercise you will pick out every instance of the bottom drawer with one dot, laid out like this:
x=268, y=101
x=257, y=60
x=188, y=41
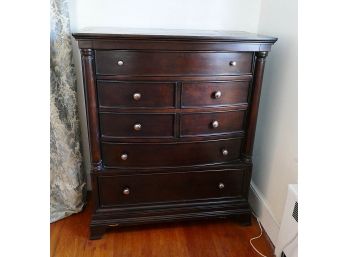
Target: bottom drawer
x=167, y=187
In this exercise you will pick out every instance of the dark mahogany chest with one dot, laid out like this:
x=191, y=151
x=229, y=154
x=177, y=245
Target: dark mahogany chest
x=171, y=120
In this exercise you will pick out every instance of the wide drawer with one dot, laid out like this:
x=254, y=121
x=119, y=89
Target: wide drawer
x=122, y=62
x=200, y=124
x=217, y=93
x=170, y=154
x=136, y=94
x=168, y=187
x=116, y=125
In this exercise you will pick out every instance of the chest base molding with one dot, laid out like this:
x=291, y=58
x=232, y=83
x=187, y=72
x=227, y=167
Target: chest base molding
x=237, y=209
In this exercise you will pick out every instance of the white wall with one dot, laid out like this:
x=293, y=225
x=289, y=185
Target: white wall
x=275, y=149
x=177, y=14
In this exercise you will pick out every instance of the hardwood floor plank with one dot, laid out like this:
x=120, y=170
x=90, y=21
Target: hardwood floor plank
x=55, y=232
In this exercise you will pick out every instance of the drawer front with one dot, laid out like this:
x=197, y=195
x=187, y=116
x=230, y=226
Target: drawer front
x=196, y=124
x=166, y=187
x=214, y=93
x=119, y=62
x=136, y=94
x=170, y=154
x=136, y=125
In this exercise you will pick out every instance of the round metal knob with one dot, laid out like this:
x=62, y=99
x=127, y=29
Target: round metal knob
x=126, y=191
x=136, y=96
x=217, y=94
x=120, y=63
x=124, y=156
x=224, y=152
x=215, y=124
x=137, y=126
x=233, y=63
x=221, y=185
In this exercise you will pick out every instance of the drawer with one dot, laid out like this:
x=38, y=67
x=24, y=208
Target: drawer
x=136, y=94
x=121, y=62
x=200, y=124
x=136, y=125
x=167, y=187
x=220, y=93
x=170, y=154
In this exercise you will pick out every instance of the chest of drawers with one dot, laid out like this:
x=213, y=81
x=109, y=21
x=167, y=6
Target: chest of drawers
x=171, y=121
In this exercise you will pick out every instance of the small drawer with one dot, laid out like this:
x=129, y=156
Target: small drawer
x=206, y=124
x=169, y=187
x=170, y=154
x=148, y=63
x=220, y=93
x=116, y=125
x=114, y=94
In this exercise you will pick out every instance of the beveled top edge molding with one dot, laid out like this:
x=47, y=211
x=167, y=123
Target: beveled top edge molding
x=171, y=34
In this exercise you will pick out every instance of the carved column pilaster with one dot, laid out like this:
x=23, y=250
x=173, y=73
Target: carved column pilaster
x=87, y=56
x=254, y=106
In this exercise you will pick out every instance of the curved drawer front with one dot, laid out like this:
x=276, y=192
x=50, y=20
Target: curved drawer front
x=120, y=62
x=114, y=125
x=205, y=124
x=170, y=154
x=165, y=187
x=224, y=93
x=136, y=94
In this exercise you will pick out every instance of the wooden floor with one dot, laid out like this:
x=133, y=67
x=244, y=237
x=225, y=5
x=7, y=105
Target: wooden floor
x=224, y=238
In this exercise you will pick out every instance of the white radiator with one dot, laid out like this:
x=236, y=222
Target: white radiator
x=287, y=238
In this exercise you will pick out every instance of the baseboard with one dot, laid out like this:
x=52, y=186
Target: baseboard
x=260, y=207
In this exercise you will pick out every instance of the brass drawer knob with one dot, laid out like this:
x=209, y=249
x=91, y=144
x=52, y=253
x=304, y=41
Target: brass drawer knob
x=224, y=152
x=120, y=63
x=233, y=63
x=217, y=94
x=137, y=96
x=126, y=191
x=137, y=126
x=215, y=124
x=221, y=185
x=124, y=156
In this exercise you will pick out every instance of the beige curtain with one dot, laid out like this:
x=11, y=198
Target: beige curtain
x=68, y=187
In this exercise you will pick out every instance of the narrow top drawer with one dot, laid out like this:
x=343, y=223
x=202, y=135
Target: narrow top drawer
x=148, y=63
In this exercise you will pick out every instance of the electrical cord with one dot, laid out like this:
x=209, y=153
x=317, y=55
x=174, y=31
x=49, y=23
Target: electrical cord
x=261, y=232
x=257, y=237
